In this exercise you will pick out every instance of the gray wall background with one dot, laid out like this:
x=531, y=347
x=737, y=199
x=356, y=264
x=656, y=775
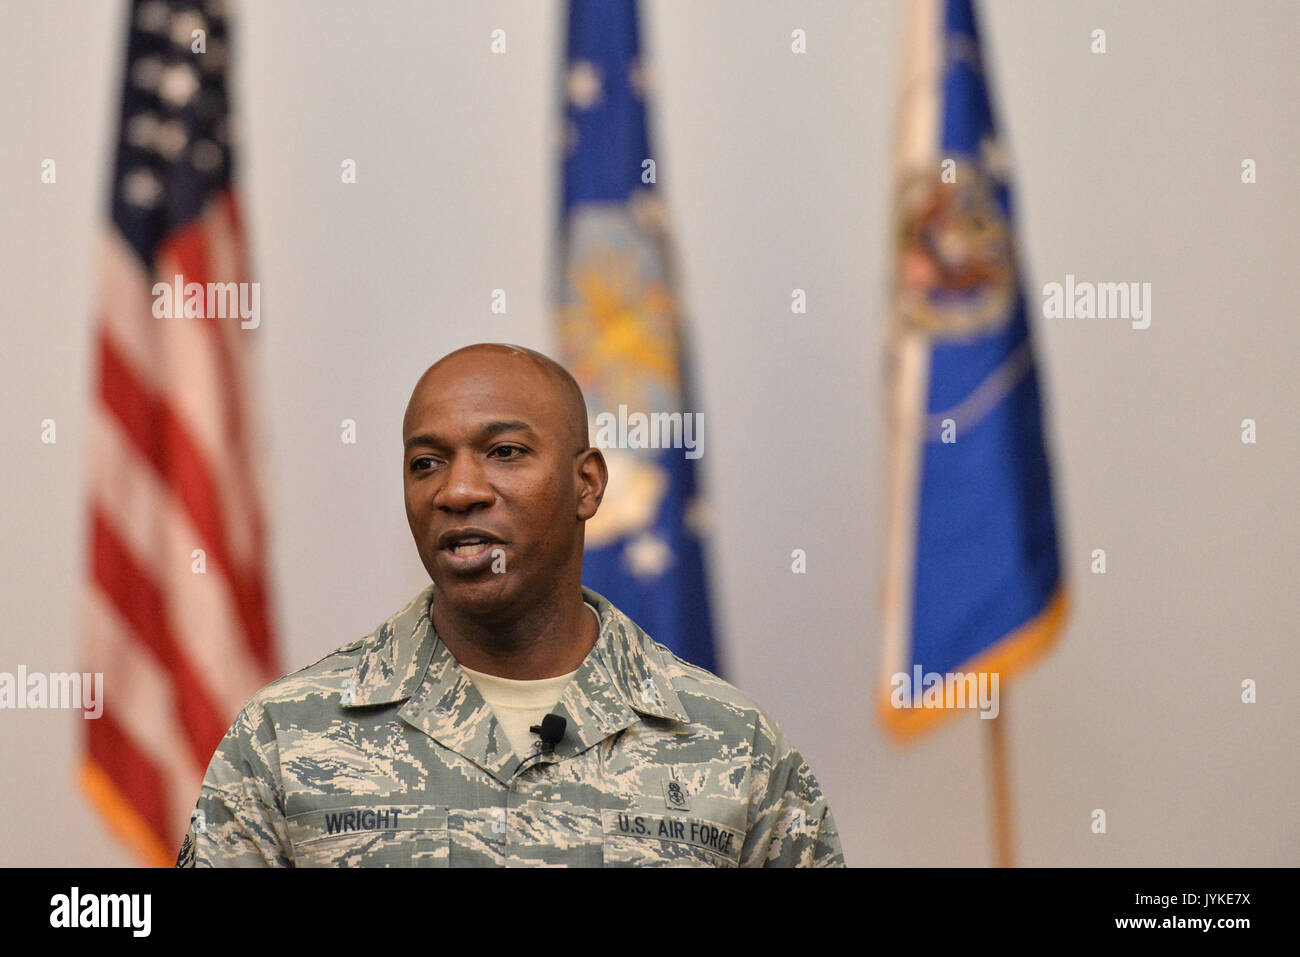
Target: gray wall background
x=775, y=169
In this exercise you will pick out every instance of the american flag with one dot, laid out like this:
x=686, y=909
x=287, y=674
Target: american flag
x=176, y=615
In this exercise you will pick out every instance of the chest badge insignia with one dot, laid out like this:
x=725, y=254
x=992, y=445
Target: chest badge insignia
x=675, y=796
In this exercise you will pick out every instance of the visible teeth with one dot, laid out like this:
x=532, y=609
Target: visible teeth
x=468, y=548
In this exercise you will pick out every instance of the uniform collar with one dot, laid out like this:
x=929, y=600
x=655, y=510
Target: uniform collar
x=623, y=677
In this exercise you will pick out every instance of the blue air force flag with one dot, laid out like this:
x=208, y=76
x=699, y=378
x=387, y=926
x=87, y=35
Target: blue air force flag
x=973, y=582
x=622, y=336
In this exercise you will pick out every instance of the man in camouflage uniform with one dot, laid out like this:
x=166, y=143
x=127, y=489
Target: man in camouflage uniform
x=385, y=753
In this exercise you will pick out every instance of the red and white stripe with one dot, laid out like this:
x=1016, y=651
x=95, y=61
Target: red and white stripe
x=172, y=470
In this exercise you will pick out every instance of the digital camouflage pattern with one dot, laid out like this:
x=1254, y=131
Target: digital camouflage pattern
x=385, y=754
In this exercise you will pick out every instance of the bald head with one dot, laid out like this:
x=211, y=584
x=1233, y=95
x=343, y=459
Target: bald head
x=526, y=368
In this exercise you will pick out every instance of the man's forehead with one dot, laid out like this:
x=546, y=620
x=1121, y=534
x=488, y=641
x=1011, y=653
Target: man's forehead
x=495, y=382
x=466, y=394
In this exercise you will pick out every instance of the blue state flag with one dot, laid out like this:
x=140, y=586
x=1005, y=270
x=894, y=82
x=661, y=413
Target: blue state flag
x=622, y=336
x=973, y=582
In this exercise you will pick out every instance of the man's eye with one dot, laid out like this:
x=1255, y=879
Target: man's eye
x=515, y=451
x=421, y=464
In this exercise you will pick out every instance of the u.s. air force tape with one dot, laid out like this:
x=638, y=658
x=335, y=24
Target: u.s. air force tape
x=708, y=835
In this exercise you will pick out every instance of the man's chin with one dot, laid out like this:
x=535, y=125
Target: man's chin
x=483, y=596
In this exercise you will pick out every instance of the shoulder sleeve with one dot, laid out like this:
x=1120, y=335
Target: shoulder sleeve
x=239, y=820
x=790, y=823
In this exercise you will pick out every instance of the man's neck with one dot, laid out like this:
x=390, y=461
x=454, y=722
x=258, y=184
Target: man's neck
x=549, y=640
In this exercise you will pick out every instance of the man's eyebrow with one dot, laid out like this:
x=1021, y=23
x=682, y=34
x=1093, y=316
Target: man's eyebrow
x=486, y=431
x=507, y=425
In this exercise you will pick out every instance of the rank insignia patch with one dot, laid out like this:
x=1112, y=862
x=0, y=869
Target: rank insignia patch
x=675, y=796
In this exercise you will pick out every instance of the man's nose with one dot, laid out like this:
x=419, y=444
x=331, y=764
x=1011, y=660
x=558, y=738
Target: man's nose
x=464, y=484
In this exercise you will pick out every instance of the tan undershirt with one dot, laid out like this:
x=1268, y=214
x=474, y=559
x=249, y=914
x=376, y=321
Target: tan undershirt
x=520, y=704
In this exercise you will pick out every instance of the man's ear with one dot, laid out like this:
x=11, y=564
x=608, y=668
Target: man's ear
x=593, y=476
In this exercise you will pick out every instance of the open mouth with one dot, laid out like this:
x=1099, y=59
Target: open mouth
x=469, y=547
x=467, y=550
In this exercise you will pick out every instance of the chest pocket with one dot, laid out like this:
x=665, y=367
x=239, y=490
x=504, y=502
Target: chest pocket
x=657, y=838
x=389, y=835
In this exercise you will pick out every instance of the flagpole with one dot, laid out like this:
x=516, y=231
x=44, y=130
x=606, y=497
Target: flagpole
x=1000, y=775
